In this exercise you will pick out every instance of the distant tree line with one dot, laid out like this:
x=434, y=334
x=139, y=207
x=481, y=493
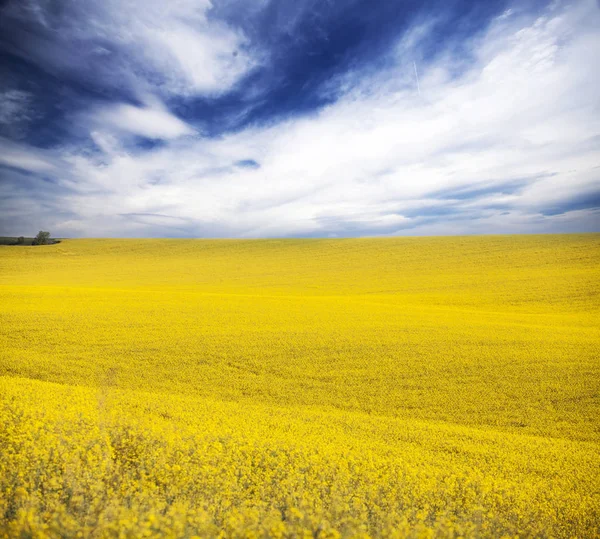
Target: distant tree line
x=42, y=238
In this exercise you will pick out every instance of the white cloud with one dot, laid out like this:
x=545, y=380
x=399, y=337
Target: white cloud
x=151, y=122
x=198, y=62
x=24, y=157
x=141, y=45
x=523, y=115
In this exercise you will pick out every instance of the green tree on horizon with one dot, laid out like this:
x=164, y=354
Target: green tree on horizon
x=42, y=238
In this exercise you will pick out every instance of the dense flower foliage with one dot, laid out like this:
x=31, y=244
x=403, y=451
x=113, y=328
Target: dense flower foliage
x=313, y=388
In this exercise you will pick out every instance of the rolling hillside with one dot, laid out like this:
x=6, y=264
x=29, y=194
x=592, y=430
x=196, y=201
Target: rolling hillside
x=357, y=387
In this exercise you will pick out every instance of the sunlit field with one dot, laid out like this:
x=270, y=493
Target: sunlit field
x=301, y=388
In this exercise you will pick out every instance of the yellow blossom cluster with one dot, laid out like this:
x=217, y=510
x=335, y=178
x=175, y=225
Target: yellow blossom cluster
x=397, y=387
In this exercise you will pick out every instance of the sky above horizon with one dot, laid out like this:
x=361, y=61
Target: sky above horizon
x=298, y=118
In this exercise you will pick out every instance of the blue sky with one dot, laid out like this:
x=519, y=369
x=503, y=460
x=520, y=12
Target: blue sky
x=298, y=118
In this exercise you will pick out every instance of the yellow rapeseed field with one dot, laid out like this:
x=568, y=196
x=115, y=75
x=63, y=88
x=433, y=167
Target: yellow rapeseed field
x=420, y=387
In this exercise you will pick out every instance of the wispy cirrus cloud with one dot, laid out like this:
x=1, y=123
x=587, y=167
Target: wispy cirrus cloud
x=27, y=158
x=153, y=122
x=502, y=135
x=16, y=111
x=133, y=47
